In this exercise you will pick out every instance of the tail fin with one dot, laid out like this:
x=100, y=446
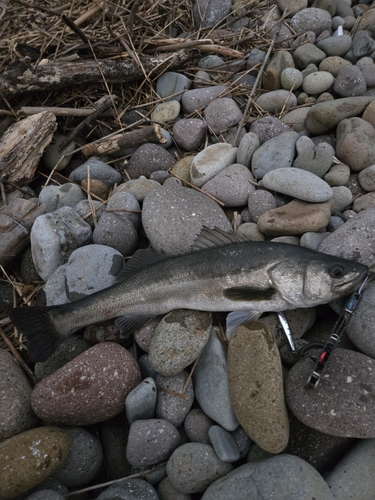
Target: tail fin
x=37, y=326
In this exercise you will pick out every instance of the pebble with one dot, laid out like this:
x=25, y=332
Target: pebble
x=296, y=119
x=256, y=386
x=311, y=19
x=231, y=186
x=131, y=489
x=250, y=231
x=210, y=162
x=338, y=175
x=341, y=199
x=178, y=340
x=166, y=111
x=126, y=206
x=144, y=334
x=317, y=82
x=360, y=327
x=317, y=162
x=306, y=54
x=271, y=79
x=211, y=384
x=221, y=114
x=295, y=218
x=186, y=211
x=83, y=209
x=55, y=197
x=194, y=466
x=291, y=78
x=277, y=152
x=276, y=100
x=151, y=441
x=138, y=187
x=196, y=425
x=350, y=82
x=333, y=65
x=140, y=403
x=364, y=202
x=89, y=389
x=91, y=268
x=45, y=495
x=282, y=476
x=169, y=407
x=96, y=187
x=347, y=378
x=117, y=232
x=189, y=133
x=324, y=116
x=366, y=178
x=192, y=100
x=98, y=170
x=224, y=444
x=298, y=183
x=355, y=143
x=84, y=459
x=170, y=83
x=16, y=415
x=207, y=13
x=54, y=237
x=266, y=128
x=259, y=203
x=167, y=491
x=29, y=458
x=353, y=476
x=147, y=159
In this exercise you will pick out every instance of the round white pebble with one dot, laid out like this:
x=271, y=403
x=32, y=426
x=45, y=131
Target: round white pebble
x=291, y=78
x=317, y=82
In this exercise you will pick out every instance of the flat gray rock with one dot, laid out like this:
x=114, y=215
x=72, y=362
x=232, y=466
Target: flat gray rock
x=147, y=159
x=98, y=170
x=354, y=240
x=91, y=268
x=192, y=100
x=276, y=100
x=210, y=162
x=277, y=152
x=55, y=197
x=212, y=386
x=170, y=83
x=317, y=161
x=348, y=378
x=186, y=211
x=141, y=401
x=298, y=183
x=284, y=477
x=224, y=444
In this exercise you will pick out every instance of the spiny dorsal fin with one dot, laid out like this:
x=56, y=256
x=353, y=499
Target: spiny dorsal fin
x=209, y=238
x=140, y=260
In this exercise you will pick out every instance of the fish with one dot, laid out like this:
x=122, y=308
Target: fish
x=223, y=272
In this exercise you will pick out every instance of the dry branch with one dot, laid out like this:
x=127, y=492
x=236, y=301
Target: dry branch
x=24, y=77
x=128, y=140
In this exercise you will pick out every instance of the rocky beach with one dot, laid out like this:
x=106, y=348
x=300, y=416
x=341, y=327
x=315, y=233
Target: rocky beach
x=144, y=126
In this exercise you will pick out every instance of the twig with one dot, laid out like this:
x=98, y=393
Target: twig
x=17, y=357
x=114, y=481
x=173, y=393
x=242, y=121
x=197, y=188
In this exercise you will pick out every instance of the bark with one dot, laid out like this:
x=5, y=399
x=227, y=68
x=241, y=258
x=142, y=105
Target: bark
x=22, y=145
x=23, y=77
x=16, y=220
x=128, y=140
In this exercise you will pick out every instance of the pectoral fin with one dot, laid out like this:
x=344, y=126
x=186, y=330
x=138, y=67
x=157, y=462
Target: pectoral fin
x=236, y=318
x=245, y=293
x=129, y=324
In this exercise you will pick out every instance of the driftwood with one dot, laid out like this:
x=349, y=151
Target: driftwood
x=24, y=77
x=128, y=140
x=22, y=145
x=16, y=220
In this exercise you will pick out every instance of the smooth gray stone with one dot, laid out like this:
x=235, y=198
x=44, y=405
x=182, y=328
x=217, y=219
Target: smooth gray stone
x=116, y=232
x=131, y=489
x=194, y=466
x=336, y=45
x=222, y=114
x=16, y=415
x=210, y=162
x=277, y=152
x=341, y=199
x=211, y=384
x=313, y=240
x=350, y=82
x=125, y=200
x=171, y=83
x=311, y=19
x=285, y=477
x=242, y=440
x=334, y=223
x=167, y=491
x=360, y=327
x=141, y=401
x=147, y=159
x=197, y=425
x=198, y=98
x=224, y=444
x=54, y=237
x=268, y=127
x=90, y=269
x=55, y=197
x=260, y=202
x=207, y=13
x=84, y=459
x=248, y=144
x=276, y=100
x=55, y=288
x=307, y=54
x=169, y=407
x=211, y=61
x=189, y=133
x=83, y=208
x=138, y=187
x=353, y=477
x=98, y=170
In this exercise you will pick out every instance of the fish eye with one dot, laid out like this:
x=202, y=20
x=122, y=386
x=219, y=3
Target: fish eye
x=337, y=271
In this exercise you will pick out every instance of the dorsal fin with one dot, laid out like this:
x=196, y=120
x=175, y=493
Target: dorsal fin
x=140, y=259
x=209, y=238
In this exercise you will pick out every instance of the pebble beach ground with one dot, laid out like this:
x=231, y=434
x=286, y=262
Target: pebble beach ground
x=185, y=411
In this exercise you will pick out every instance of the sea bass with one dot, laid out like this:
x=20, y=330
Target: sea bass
x=223, y=273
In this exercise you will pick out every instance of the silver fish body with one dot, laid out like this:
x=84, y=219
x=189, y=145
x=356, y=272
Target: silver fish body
x=242, y=276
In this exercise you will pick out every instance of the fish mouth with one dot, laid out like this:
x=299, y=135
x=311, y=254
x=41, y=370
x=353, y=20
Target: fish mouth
x=347, y=286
